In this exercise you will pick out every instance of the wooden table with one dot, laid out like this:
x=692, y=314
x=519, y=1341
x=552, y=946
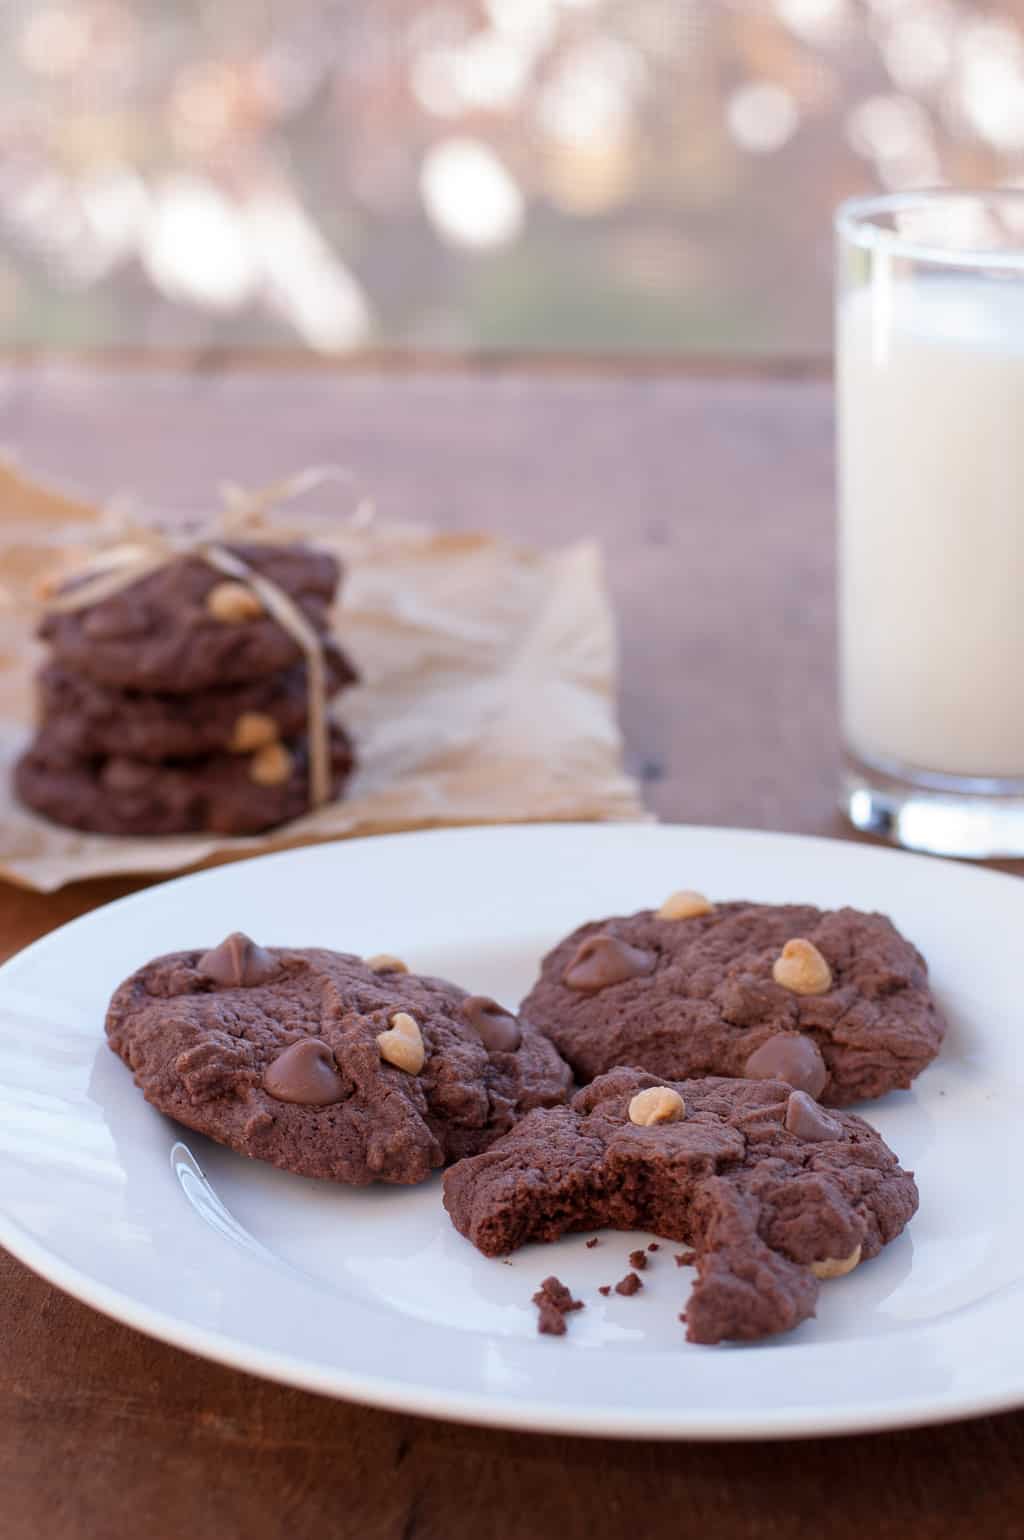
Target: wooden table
x=712, y=494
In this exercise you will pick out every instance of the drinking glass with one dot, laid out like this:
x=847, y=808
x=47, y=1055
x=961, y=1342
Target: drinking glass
x=930, y=388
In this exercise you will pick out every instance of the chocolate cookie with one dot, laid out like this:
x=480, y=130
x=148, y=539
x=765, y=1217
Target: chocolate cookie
x=221, y=794
x=772, y=1193
x=187, y=627
x=84, y=719
x=835, y=1002
x=326, y=1065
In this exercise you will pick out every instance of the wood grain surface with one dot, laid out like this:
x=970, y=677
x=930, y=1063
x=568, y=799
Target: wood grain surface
x=712, y=496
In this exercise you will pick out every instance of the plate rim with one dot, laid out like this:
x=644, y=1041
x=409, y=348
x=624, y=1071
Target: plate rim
x=478, y=1408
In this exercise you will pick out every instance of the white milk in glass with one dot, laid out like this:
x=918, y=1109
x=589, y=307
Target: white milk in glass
x=931, y=445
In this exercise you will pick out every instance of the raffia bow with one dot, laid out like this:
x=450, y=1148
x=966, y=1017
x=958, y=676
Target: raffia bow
x=120, y=564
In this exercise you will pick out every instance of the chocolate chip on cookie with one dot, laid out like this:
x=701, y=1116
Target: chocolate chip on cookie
x=789, y=1056
x=601, y=961
x=498, y=1029
x=306, y=1073
x=238, y=963
x=807, y=1120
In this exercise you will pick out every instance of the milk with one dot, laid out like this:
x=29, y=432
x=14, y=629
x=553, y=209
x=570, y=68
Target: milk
x=930, y=379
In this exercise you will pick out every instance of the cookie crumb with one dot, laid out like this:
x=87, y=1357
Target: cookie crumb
x=638, y=1259
x=654, y=1246
x=593, y=1241
x=605, y=1289
x=685, y=1258
x=631, y=1284
x=554, y=1302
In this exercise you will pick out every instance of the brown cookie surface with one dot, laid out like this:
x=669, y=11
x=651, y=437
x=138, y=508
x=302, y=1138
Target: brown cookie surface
x=275, y=1053
x=699, y=996
x=85, y=719
x=222, y=794
x=168, y=632
x=768, y=1211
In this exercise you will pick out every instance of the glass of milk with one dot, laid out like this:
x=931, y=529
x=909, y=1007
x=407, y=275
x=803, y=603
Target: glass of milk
x=930, y=384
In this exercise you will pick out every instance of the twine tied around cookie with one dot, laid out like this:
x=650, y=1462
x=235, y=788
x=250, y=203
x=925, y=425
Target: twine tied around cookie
x=120, y=566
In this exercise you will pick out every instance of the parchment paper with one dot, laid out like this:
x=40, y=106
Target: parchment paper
x=487, y=691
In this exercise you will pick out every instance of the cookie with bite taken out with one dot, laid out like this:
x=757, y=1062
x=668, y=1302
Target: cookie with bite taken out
x=774, y=1194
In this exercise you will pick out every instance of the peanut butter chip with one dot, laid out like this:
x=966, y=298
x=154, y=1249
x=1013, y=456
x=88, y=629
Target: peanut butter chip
x=790, y=1057
x=232, y=603
x=801, y=969
x=306, y=1073
x=658, y=1104
x=270, y=766
x=604, y=960
x=238, y=963
x=836, y=1267
x=383, y=962
x=252, y=730
x=686, y=905
x=402, y=1044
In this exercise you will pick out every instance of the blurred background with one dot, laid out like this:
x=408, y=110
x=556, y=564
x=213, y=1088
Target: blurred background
x=620, y=176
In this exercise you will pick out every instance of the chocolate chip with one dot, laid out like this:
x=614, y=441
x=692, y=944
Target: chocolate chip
x=788, y=1056
x=654, y=1246
x=496, y=1027
x=592, y=1243
x=638, y=1259
x=808, y=1121
x=605, y=1289
x=631, y=1284
x=238, y=963
x=306, y=1073
x=604, y=960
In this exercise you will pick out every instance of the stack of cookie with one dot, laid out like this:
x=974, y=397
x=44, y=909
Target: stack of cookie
x=178, y=703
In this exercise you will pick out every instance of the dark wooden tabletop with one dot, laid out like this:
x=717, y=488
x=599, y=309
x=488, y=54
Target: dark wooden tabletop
x=712, y=495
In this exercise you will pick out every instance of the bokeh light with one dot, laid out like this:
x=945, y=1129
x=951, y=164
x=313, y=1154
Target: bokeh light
x=638, y=175
x=469, y=195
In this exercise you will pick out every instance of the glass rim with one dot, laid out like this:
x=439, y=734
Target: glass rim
x=853, y=221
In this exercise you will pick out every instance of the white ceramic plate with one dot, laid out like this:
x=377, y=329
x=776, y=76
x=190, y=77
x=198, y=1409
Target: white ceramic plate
x=372, y=1295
